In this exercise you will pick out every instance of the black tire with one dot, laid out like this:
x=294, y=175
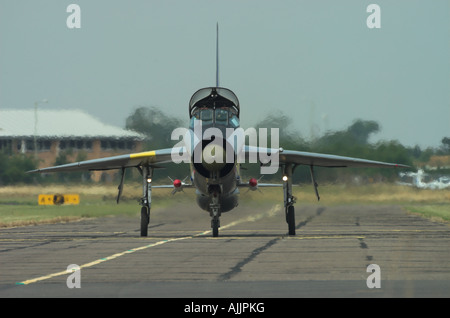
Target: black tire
x=215, y=228
x=290, y=218
x=145, y=219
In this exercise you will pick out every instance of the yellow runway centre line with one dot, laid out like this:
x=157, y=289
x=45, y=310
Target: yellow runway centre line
x=108, y=258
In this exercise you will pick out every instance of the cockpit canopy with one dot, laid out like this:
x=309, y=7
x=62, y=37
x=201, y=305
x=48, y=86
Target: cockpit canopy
x=214, y=106
x=214, y=97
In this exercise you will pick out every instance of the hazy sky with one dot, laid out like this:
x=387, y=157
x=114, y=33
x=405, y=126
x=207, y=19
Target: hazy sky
x=315, y=61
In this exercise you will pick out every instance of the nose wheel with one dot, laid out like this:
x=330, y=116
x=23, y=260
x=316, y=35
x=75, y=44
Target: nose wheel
x=215, y=224
x=215, y=214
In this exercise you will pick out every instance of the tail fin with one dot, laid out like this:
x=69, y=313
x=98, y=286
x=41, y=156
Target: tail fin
x=217, y=55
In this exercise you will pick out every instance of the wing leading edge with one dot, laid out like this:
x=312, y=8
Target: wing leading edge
x=149, y=158
x=317, y=159
x=325, y=160
x=164, y=156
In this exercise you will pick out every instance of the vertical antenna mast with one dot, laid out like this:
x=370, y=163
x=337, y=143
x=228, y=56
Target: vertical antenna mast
x=217, y=56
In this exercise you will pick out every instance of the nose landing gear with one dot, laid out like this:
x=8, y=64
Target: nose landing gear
x=215, y=214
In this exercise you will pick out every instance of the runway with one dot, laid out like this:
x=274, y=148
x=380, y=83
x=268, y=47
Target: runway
x=252, y=258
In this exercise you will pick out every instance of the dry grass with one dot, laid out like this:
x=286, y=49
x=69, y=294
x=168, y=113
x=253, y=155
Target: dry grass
x=98, y=190
x=345, y=194
x=26, y=222
x=330, y=194
x=18, y=204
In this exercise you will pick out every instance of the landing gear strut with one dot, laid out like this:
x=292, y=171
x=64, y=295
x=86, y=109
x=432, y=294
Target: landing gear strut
x=215, y=214
x=146, y=201
x=289, y=199
x=215, y=224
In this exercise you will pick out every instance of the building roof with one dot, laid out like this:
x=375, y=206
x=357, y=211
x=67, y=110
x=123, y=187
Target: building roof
x=58, y=124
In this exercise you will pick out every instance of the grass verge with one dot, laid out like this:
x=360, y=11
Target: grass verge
x=19, y=204
x=435, y=212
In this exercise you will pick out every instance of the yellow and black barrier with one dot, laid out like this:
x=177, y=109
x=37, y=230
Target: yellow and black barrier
x=58, y=199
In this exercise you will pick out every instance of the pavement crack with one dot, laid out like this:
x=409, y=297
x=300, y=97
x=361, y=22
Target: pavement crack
x=362, y=244
x=303, y=223
x=238, y=267
x=319, y=211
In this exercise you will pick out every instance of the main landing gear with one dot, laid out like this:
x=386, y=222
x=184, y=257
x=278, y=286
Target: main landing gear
x=146, y=201
x=289, y=199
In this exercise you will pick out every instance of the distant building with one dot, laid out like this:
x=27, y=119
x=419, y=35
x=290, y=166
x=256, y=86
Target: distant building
x=46, y=133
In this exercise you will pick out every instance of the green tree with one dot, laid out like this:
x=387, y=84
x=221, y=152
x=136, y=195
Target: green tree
x=352, y=141
x=13, y=169
x=289, y=138
x=360, y=130
x=158, y=127
x=446, y=144
x=76, y=176
x=155, y=124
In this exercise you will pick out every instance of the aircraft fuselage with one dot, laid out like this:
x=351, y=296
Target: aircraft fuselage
x=214, y=113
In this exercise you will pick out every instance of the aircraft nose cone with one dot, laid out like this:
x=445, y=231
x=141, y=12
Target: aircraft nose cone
x=214, y=157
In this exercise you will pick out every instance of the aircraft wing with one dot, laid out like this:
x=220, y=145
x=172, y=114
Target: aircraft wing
x=320, y=160
x=150, y=158
x=160, y=156
x=325, y=160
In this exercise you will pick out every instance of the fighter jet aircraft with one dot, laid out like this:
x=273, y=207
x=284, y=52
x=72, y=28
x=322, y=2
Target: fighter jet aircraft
x=214, y=146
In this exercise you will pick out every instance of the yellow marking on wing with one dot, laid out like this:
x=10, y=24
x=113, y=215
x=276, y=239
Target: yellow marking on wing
x=140, y=155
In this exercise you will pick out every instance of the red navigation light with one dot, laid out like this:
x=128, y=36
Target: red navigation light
x=177, y=183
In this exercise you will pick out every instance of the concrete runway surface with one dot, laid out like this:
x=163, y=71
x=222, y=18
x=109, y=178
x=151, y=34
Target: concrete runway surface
x=252, y=258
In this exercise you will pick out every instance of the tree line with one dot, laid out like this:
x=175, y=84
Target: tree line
x=352, y=141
